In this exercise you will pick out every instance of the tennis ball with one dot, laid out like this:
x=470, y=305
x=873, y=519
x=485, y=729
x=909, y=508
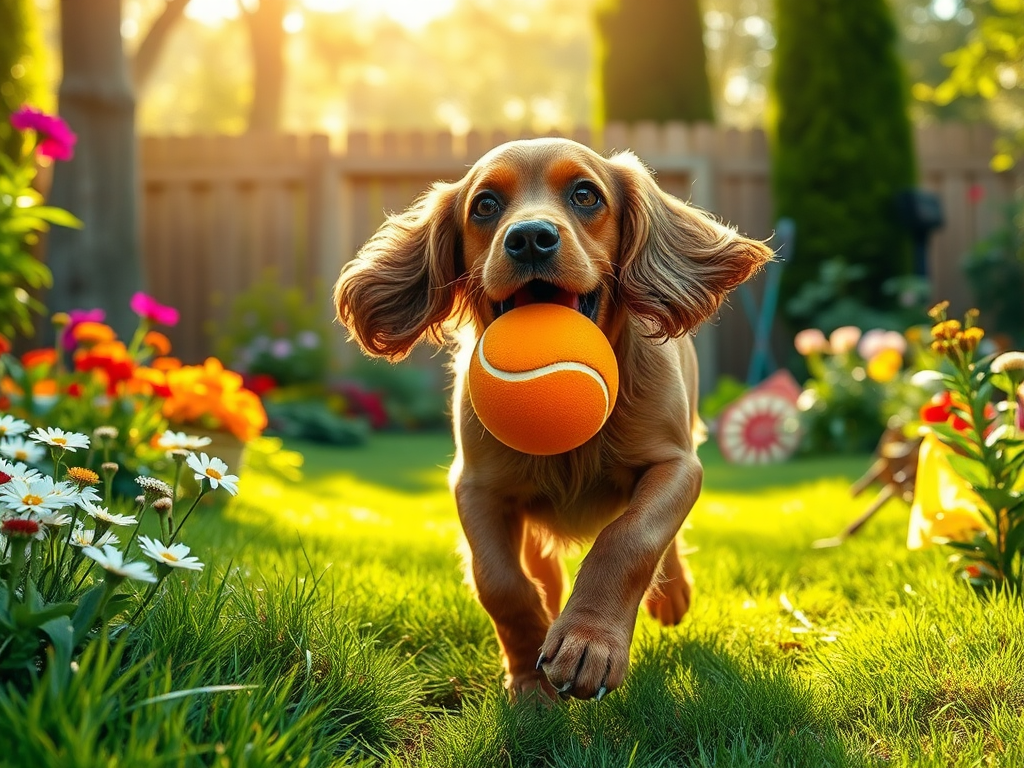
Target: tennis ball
x=543, y=379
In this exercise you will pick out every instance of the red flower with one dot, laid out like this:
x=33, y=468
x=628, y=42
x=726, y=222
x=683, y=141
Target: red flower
x=18, y=528
x=5, y=345
x=55, y=139
x=146, y=306
x=260, y=383
x=939, y=410
x=4, y=477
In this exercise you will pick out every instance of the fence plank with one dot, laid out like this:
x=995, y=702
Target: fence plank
x=216, y=210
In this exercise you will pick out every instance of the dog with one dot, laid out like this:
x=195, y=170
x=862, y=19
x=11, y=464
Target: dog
x=552, y=220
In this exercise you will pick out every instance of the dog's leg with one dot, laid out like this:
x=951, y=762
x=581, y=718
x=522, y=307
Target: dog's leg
x=668, y=598
x=546, y=568
x=495, y=532
x=586, y=652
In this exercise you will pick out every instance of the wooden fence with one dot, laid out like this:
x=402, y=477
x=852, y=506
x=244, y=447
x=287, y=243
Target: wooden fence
x=219, y=211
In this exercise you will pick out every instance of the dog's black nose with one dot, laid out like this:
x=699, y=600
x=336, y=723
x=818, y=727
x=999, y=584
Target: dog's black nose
x=531, y=242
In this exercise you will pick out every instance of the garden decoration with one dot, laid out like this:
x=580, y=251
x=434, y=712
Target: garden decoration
x=552, y=394
x=762, y=426
x=762, y=362
x=894, y=468
x=969, y=493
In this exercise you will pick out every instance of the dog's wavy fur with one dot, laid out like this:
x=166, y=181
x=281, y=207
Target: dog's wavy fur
x=660, y=268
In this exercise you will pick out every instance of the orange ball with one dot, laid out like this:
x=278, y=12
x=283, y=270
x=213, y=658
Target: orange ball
x=543, y=379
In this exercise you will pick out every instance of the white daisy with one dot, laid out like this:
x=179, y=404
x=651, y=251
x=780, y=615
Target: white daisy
x=12, y=427
x=173, y=556
x=171, y=440
x=83, y=537
x=30, y=496
x=214, y=470
x=102, y=514
x=58, y=438
x=112, y=560
x=19, y=449
x=53, y=519
x=17, y=470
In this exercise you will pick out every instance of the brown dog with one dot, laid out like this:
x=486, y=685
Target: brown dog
x=550, y=220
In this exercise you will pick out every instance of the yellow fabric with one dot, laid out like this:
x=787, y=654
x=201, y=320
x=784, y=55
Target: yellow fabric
x=944, y=505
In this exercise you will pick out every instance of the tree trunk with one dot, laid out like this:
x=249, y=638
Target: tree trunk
x=266, y=32
x=148, y=53
x=99, y=265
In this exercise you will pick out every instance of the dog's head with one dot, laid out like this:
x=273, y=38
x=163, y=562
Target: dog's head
x=542, y=220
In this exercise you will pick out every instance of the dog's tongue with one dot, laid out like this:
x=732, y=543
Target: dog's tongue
x=547, y=294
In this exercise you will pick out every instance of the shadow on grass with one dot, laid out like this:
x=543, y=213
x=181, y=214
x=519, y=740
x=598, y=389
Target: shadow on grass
x=689, y=704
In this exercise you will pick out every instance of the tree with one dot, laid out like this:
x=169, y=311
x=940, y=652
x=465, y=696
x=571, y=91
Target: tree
x=266, y=34
x=153, y=44
x=990, y=65
x=21, y=54
x=654, y=65
x=99, y=265
x=842, y=145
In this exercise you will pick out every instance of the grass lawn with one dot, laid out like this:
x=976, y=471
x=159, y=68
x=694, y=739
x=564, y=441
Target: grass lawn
x=337, y=596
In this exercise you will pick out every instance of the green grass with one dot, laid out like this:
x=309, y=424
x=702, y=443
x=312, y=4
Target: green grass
x=338, y=596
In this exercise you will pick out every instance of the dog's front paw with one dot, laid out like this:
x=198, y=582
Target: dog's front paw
x=531, y=687
x=584, y=656
x=669, y=601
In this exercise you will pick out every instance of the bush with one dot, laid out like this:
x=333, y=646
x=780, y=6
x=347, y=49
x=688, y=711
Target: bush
x=842, y=141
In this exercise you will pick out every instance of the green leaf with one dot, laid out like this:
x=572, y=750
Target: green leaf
x=61, y=634
x=973, y=471
x=955, y=439
x=57, y=216
x=1000, y=498
x=27, y=618
x=85, y=616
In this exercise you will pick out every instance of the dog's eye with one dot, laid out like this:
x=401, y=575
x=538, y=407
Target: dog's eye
x=585, y=196
x=485, y=206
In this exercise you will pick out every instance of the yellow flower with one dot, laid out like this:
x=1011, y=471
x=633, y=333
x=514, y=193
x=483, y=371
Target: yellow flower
x=944, y=505
x=968, y=340
x=884, y=366
x=946, y=330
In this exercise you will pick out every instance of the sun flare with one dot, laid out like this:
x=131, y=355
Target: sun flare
x=409, y=13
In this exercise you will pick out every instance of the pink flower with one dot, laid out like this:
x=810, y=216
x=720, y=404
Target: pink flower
x=80, y=316
x=811, y=341
x=844, y=339
x=876, y=340
x=55, y=139
x=146, y=306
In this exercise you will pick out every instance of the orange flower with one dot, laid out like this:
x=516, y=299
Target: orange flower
x=212, y=395
x=89, y=332
x=108, y=358
x=5, y=345
x=166, y=364
x=44, y=388
x=39, y=357
x=160, y=343
x=150, y=381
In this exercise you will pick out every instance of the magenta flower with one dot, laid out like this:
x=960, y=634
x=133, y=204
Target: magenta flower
x=80, y=316
x=146, y=306
x=54, y=138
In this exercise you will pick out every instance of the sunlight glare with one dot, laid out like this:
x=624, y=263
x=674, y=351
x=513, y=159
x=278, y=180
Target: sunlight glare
x=212, y=12
x=409, y=13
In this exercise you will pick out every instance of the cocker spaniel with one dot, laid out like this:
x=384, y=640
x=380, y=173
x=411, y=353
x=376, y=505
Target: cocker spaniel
x=551, y=220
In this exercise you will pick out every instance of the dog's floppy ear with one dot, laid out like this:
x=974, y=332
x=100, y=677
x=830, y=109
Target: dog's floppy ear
x=403, y=284
x=676, y=263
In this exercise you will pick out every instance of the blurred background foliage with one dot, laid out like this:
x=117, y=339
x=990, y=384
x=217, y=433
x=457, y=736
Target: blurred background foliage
x=456, y=64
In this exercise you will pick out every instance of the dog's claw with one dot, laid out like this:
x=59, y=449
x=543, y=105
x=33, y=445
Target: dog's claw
x=601, y=692
x=540, y=661
x=565, y=688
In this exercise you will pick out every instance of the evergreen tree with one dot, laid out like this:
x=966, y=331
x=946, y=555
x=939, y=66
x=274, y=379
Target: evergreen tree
x=21, y=67
x=842, y=144
x=654, y=65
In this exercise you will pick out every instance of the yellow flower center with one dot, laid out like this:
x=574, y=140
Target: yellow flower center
x=59, y=440
x=170, y=557
x=21, y=455
x=211, y=472
x=31, y=500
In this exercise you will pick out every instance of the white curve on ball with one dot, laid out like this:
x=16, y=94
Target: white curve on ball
x=536, y=373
